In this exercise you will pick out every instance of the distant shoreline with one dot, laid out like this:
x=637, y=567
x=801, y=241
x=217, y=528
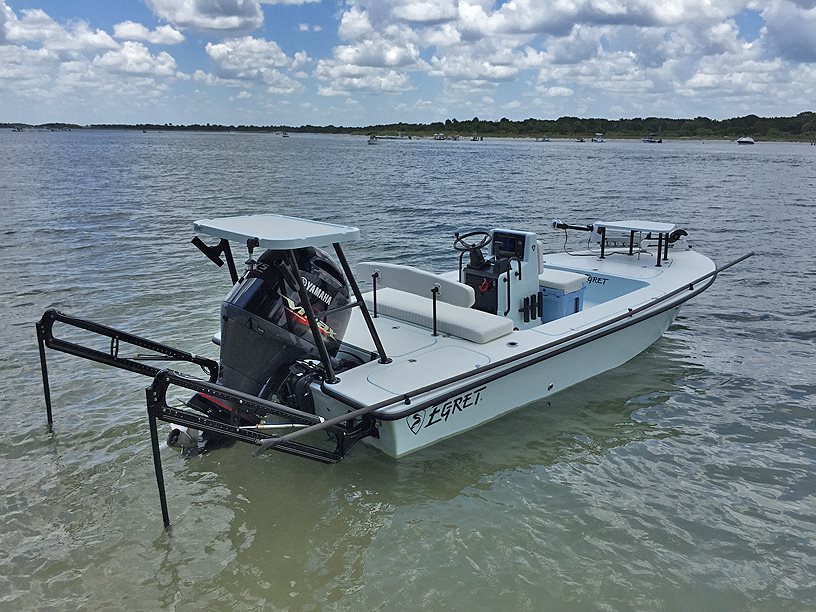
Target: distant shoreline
x=361, y=135
x=800, y=128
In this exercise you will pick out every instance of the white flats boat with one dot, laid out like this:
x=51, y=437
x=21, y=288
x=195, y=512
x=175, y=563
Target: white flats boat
x=420, y=357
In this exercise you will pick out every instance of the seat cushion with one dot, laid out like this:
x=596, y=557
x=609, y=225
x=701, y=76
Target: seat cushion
x=466, y=323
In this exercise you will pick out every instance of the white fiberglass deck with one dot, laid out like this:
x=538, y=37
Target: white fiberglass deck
x=420, y=359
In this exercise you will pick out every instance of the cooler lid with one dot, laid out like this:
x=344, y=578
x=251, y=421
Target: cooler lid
x=561, y=280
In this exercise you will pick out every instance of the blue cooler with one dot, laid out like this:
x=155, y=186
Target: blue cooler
x=562, y=293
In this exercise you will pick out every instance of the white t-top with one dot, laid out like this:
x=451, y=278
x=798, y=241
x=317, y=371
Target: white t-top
x=277, y=231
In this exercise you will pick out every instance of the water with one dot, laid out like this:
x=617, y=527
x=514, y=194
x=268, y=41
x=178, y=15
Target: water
x=683, y=480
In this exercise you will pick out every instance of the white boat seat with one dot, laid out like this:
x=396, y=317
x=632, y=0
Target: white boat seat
x=417, y=281
x=560, y=279
x=466, y=323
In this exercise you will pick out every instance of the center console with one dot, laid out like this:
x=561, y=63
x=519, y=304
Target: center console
x=497, y=281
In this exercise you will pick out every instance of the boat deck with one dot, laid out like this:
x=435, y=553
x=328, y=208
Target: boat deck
x=617, y=284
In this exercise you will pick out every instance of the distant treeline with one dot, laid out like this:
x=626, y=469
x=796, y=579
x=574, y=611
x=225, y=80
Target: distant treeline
x=800, y=127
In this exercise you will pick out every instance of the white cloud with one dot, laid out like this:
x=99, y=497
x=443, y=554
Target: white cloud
x=425, y=11
x=216, y=81
x=280, y=83
x=354, y=24
x=791, y=29
x=445, y=35
x=300, y=60
x=37, y=27
x=557, y=92
x=247, y=57
x=581, y=44
x=343, y=79
x=162, y=35
x=376, y=60
x=466, y=67
x=24, y=67
x=239, y=61
x=7, y=16
x=73, y=63
x=307, y=27
x=378, y=53
x=134, y=58
x=218, y=15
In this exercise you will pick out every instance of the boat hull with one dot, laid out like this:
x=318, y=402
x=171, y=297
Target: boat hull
x=480, y=403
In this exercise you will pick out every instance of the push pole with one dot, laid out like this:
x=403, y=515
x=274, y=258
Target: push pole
x=157, y=465
x=44, y=371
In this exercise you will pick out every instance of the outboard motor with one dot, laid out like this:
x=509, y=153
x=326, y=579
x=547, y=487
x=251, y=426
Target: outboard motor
x=266, y=342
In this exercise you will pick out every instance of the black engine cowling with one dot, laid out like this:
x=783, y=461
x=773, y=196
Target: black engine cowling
x=263, y=324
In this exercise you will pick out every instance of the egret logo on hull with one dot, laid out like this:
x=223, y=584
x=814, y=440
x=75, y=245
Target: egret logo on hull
x=415, y=421
x=442, y=412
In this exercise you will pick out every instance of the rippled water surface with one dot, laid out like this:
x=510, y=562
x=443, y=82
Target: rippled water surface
x=683, y=480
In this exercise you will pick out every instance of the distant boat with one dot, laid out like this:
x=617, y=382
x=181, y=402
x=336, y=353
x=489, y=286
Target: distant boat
x=439, y=136
x=398, y=136
x=543, y=139
x=580, y=139
x=285, y=134
x=598, y=137
x=651, y=138
x=745, y=140
x=372, y=139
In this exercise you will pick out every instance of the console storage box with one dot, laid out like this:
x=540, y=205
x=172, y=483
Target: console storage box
x=562, y=293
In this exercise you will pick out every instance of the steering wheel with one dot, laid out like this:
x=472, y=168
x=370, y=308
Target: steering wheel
x=466, y=247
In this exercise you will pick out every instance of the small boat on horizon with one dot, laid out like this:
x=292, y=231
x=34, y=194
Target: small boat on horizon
x=651, y=138
x=397, y=136
x=598, y=137
x=745, y=140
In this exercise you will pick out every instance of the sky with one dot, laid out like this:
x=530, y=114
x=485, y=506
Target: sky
x=365, y=62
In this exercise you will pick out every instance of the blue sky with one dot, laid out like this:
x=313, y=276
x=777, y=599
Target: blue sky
x=360, y=62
